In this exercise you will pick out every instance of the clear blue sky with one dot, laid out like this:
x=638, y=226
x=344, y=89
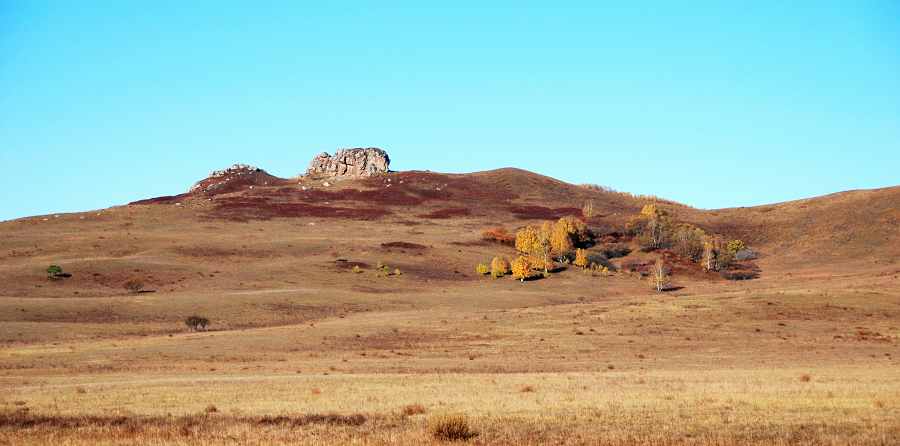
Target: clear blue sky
x=714, y=104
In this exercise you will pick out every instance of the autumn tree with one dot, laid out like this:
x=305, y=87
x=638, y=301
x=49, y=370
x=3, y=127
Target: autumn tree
x=499, y=267
x=521, y=268
x=561, y=239
x=482, y=269
x=527, y=239
x=652, y=227
x=535, y=243
x=687, y=241
x=716, y=255
x=660, y=276
x=581, y=259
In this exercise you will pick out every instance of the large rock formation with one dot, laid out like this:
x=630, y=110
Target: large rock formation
x=355, y=163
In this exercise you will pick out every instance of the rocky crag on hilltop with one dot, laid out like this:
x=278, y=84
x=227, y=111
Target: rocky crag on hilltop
x=234, y=178
x=354, y=163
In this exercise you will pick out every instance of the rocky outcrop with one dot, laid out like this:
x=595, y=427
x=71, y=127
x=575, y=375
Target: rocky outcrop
x=234, y=178
x=354, y=163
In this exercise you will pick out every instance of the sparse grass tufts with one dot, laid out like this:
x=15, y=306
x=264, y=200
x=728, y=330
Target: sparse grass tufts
x=211, y=409
x=450, y=427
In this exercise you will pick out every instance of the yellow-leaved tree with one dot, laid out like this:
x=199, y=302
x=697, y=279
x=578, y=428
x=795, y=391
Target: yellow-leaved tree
x=521, y=268
x=527, y=239
x=534, y=243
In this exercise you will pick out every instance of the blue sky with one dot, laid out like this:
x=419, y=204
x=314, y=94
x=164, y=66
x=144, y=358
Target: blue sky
x=715, y=104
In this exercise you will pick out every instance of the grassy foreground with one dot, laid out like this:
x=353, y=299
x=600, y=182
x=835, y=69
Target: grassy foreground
x=834, y=406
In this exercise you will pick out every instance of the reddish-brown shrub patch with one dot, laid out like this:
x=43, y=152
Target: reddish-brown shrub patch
x=499, y=235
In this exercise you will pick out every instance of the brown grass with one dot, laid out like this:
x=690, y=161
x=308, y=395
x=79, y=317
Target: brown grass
x=451, y=427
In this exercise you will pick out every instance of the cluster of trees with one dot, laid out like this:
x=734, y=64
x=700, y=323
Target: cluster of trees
x=653, y=229
x=540, y=248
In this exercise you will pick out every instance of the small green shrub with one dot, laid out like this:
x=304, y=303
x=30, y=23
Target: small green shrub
x=56, y=272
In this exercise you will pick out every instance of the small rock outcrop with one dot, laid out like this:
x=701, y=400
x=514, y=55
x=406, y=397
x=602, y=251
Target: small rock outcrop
x=354, y=163
x=234, y=178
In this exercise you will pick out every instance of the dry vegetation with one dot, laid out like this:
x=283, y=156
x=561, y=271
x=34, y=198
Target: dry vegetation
x=309, y=337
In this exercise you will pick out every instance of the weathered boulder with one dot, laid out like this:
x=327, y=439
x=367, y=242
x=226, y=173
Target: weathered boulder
x=356, y=163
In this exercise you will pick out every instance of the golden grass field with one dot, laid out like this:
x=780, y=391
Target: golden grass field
x=304, y=351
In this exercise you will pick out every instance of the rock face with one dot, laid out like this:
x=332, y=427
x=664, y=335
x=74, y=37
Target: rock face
x=355, y=163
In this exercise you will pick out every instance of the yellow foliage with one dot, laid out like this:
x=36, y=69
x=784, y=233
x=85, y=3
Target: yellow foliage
x=527, y=239
x=521, y=268
x=482, y=269
x=581, y=259
x=560, y=239
x=499, y=267
x=652, y=211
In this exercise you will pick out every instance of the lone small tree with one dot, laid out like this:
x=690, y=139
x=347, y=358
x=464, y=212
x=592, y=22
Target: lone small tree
x=54, y=272
x=482, y=269
x=197, y=323
x=660, y=276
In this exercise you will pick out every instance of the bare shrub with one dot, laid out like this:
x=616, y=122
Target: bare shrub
x=197, y=323
x=134, y=285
